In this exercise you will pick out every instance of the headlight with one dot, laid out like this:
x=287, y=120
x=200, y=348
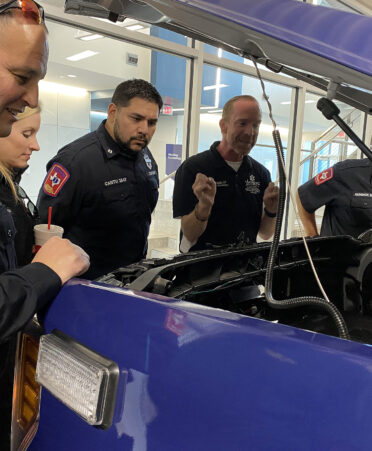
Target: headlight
x=83, y=380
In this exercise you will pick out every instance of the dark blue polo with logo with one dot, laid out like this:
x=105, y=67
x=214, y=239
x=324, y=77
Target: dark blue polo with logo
x=102, y=195
x=346, y=191
x=237, y=208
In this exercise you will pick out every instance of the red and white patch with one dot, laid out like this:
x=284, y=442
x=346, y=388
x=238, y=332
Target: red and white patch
x=55, y=179
x=324, y=176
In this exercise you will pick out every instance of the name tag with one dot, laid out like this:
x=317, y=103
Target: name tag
x=362, y=194
x=116, y=181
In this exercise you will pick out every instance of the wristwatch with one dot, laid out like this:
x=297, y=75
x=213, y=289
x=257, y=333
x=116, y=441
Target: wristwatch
x=270, y=215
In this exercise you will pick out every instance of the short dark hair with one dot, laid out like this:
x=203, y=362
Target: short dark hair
x=136, y=87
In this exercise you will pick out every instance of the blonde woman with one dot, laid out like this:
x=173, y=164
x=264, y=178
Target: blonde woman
x=15, y=153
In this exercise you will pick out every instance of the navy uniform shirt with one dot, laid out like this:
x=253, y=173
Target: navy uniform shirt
x=103, y=197
x=346, y=191
x=238, y=203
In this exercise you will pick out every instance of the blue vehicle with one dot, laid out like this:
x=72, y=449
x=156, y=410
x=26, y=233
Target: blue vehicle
x=196, y=352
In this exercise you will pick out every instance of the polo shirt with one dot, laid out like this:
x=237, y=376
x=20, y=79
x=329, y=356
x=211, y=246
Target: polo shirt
x=237, y=209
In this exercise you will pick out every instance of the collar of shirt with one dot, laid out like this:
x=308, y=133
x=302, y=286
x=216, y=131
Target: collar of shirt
x=247, y=162
x=111, y=147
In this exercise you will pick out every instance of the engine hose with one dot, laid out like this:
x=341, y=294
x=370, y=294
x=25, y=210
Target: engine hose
x=320, y=303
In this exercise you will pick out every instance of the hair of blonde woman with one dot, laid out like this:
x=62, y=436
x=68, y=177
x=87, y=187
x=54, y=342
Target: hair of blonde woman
x=3, y=170
x=28, y=112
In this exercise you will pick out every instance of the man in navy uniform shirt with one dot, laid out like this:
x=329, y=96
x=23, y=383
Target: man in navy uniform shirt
x=103, y=187
x=220, y=193
x=345, y=190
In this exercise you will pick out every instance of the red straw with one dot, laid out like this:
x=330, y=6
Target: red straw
x=49, y=217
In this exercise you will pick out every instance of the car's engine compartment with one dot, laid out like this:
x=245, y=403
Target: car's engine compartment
x=232, y=278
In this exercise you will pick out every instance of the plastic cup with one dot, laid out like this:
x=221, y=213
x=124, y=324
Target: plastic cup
x=42, y=234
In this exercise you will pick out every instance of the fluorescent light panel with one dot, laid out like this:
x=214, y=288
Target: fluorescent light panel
x=218, y=86
x=81, y=55
x=91, y=37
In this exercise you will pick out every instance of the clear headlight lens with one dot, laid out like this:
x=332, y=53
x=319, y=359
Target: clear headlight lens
x=83, y=380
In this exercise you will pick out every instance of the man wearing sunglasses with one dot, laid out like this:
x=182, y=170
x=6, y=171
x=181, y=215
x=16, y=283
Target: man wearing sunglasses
x=23, y=62
x=23, y=291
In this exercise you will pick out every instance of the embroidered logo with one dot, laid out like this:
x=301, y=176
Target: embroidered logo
x=252, y=186
x=324, y=176
x=55, y=179
x=148, y=161
x=221, y=183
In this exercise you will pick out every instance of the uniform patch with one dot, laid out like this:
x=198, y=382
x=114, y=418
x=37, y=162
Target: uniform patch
x=324, y=176
x=147, y=161
x=55, y=179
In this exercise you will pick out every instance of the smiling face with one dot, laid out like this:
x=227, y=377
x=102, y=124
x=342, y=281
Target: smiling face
x=16, y=149
x=23, y=62
x=133, y=125
x=240, y=129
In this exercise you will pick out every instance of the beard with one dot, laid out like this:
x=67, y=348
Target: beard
x=128, y=143
x=242, y=145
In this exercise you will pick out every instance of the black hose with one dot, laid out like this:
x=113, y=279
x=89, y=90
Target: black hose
x=330, y=308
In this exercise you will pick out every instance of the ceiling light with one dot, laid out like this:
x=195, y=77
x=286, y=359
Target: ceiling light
x=209, y=88
x=81, y=55
x=99, y=113
x=285, y=103
x=47, y=86
x=309, y=101
x=135, y=27
x=71, y=76
x=91, y=37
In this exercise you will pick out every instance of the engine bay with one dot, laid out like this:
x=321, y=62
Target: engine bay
x=232, y=278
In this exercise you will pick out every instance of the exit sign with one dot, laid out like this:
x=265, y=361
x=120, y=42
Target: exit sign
x=168, y=110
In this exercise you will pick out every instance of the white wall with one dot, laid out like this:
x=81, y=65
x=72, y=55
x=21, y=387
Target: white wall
x=63, y=119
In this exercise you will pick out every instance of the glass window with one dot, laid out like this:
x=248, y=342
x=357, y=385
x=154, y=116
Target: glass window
x=323, y=140
x=220, y=85
x=168, y=35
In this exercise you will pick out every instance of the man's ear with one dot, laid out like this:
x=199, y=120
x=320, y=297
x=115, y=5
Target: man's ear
x=223, y=126
x=111, y=112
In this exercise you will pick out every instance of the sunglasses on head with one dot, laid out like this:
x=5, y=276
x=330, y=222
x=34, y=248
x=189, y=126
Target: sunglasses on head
x=29, y=9
x=31, y=207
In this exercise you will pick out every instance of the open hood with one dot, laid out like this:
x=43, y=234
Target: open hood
x=311, y=43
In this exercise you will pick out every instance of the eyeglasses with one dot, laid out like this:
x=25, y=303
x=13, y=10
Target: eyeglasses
x=31, y=207
x=29, y=8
